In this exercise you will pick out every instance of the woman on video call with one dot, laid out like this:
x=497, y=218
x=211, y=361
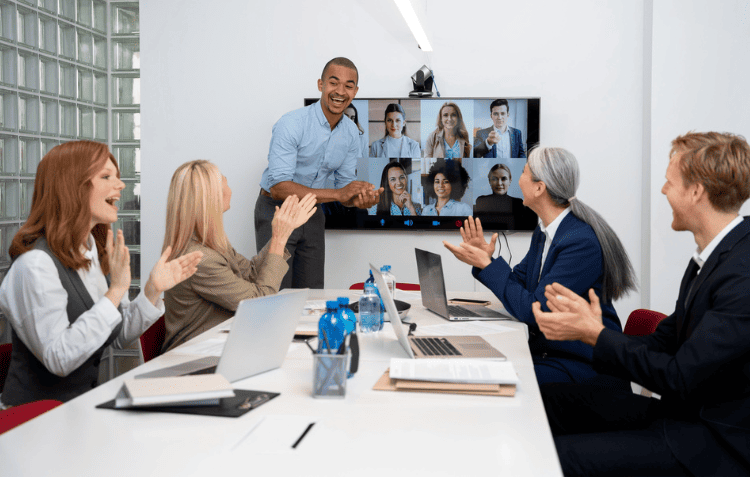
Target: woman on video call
x=396, y=199
x=451, y=139
x=198, y=197
x=447, y=183
x=395, y=143
x=573, y=246
x=65, y=294
x=351, y=113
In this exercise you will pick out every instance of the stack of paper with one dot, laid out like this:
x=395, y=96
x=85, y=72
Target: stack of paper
x=200, y=390
x=459, y=376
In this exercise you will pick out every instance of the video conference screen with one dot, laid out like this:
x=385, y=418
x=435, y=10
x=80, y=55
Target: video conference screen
x=440, y=160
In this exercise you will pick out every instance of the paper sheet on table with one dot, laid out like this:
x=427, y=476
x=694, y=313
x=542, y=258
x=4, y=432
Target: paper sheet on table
x=475, y=371
x=314, y=307
x=275, y=434
x=464, y=328
x=209, y=347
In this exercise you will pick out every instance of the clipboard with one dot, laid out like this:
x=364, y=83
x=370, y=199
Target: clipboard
x=228, y=407
x=385, y=383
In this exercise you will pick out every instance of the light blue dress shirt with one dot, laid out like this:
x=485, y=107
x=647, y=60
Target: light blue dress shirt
x=305, y=150
x=452, y=208
x=452, y=152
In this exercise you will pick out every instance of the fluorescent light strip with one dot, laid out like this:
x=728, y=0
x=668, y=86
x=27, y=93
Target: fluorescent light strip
x=407, y=11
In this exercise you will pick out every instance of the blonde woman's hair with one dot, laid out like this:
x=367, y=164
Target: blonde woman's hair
x=195, y=207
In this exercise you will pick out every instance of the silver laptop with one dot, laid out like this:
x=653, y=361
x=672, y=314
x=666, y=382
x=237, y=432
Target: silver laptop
x=434, y=298
x=417, y=347
x=258, y=341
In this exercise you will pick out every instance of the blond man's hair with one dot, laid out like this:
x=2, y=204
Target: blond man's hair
x=720, y=162
x=195, y=208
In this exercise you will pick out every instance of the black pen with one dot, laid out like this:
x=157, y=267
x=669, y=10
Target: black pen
x=294, y=446
x=325, y=338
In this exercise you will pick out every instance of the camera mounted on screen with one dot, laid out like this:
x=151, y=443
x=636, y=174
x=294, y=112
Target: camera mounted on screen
x=422, y=81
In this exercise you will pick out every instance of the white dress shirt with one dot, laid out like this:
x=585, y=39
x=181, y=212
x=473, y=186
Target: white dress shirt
x=549, y=232
x=700, y=257
x=34, y=301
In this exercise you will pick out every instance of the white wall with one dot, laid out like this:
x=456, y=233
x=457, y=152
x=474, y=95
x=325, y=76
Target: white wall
x=701, y=66
x=215, y=79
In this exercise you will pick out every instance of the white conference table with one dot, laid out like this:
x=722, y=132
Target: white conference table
x=366, y=433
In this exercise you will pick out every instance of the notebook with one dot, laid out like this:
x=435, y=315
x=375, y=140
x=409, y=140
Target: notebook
x=258, y=341
x=434, y=298
x=418, y=347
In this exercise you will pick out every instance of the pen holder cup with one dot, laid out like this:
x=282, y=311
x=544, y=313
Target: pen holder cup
x=329, y=375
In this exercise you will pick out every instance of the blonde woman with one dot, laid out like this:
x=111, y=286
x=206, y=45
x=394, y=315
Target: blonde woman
x=198, y=197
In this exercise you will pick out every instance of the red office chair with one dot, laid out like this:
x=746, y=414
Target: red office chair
x=5, y=351
x=153, y=339
x=399, y=286
x=642, y=322
x=17, y=415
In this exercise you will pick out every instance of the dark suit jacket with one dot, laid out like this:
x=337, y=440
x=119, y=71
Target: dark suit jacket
x=517, y=146
x=574, y=259
x=698, y=359
x=505, y=209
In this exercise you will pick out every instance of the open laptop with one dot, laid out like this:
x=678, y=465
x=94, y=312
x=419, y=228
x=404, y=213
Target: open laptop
x=417, y=347
x=258, y=341
x=432, y=284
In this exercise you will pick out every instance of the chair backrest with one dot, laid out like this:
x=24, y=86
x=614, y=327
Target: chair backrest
x=5, y=352
x=17, y=415
x=642, y=322
x=399, y=286
x=152, y=339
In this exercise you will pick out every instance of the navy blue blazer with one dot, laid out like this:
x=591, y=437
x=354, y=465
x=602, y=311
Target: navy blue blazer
x=574, y=260
x=698, y=359
x=517, y=146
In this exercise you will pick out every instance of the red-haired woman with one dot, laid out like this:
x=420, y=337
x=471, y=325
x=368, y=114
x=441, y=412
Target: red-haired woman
x=64, y=295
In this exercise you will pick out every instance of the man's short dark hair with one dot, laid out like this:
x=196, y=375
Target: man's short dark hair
x=499, y=102
x=340, y=61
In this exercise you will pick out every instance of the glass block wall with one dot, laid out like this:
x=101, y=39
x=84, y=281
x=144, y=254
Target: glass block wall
x=69, y=69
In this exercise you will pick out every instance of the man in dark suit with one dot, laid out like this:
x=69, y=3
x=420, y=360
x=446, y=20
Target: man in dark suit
x=698, y=357
x=500, y=140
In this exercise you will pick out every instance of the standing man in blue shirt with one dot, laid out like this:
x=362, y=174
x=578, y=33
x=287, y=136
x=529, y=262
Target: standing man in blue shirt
x=307, y=147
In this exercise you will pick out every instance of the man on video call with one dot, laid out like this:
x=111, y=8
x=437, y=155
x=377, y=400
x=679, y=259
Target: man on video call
x=697, y=359
x=307, y=146
x=499, y=140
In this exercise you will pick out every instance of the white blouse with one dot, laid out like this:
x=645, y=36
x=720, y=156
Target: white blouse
x=34, y=301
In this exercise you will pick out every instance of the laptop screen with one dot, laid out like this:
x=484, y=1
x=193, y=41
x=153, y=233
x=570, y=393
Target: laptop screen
x=431, y=281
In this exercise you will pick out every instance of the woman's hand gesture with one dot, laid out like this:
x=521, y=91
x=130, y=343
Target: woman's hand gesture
x=473, y=234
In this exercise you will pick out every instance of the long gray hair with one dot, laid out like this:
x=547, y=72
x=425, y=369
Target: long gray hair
x=558, y=169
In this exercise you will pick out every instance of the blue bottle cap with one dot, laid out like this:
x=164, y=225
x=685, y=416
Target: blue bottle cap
x=343, y=301
x=332, y=304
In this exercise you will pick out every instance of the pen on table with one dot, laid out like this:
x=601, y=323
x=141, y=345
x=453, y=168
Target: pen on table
x=294, y=446
x=307, y=342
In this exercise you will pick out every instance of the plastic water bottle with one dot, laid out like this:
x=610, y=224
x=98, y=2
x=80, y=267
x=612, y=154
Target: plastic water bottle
x=350, y=319
x=371, y=280
x=331, y=329
x=389, y=279
x=370, y=315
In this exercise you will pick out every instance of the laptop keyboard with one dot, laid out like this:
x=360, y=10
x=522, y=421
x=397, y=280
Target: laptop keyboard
x=435, y=347
x=455, y=310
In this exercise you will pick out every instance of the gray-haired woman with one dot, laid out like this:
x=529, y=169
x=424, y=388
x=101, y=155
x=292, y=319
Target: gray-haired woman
x=573, y=245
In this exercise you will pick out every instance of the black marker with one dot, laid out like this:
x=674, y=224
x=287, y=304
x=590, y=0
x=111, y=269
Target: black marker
x=294, y=446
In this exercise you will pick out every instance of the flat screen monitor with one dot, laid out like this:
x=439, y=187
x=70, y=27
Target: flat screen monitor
x=440, y=160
